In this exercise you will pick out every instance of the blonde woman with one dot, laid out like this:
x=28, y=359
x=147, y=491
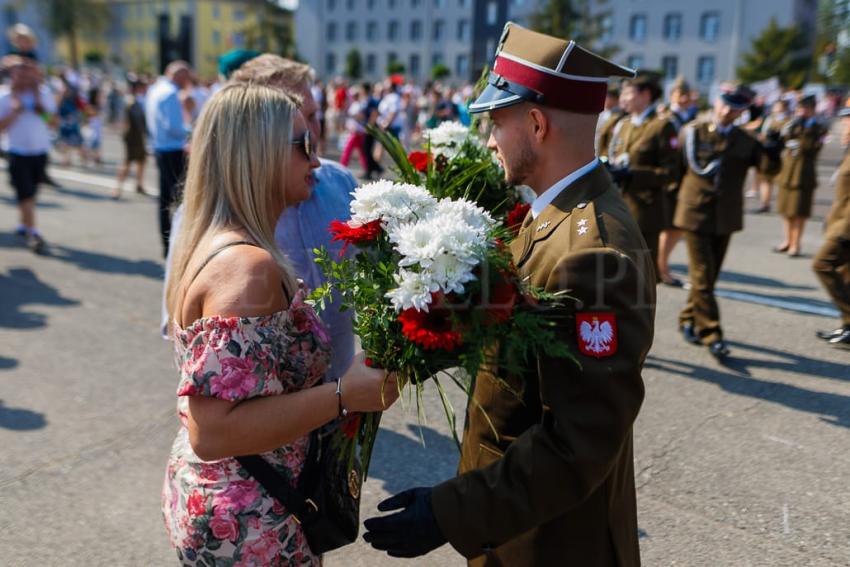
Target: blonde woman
x=251, y=353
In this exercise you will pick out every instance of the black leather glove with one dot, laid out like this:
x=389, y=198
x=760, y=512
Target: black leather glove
x=409, y=533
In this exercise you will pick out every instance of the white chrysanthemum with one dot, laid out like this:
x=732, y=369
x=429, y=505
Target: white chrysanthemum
x=414, y=290
x=447, y=138
x=450, y=272
x=416, y=242
x=467, y=211
x=392, y=203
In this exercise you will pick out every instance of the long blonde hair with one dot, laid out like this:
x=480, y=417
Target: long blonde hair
x=236, y=177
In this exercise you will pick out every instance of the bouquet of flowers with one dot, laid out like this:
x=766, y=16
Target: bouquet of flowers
x=435, y=293
x=454, y=163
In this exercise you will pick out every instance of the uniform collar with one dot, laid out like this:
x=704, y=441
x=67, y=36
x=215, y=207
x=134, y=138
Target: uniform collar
x=552, y=192
x=642, y=117
x=585, y=188
x=724, y=130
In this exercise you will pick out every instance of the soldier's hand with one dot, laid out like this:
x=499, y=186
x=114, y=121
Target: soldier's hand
x=411, y=532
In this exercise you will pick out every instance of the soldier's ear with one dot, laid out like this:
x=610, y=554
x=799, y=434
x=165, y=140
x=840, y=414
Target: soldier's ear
x=539, y=123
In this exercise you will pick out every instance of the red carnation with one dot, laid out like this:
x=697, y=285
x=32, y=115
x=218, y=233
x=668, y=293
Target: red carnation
x=351, y=234
x=516, y=216
x=431, y=330
x=503, y=298
x=351, y=425
x=420, y=160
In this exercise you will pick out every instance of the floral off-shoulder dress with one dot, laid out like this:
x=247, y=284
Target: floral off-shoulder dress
x=216, y=514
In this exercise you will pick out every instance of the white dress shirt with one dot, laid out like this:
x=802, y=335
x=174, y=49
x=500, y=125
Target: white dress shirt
x=545, y=198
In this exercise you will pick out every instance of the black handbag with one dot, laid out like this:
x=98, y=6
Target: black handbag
x=327, y=500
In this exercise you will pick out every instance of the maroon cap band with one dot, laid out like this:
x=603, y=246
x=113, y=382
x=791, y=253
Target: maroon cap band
x=583, y=97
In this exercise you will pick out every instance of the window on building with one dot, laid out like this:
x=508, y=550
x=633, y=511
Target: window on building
x=216, y=10
x=439, y=4
x=463, y=30
x=331, y=31
x=634, y=62
x=238, y=14
x=461, y=3
x=371, y=63
x=490, y=48
x=351, y=31
x=415, y=3
x=372, y=30
x=391, y=4
x=349, y=4
x=331, y=5
x=705, y=69
x=330, y=62
x=416, y=30
x=370, y=4
x=238, y=40
x=391, y=58
x=709, y=26
x=492, y=13
x=637, y=27
x=673, y=27
x=462, y=66
x=392, y=30
x=436, y=59
x=670, y=66
x=415, y=65
x=439, y=30
x=606, y=28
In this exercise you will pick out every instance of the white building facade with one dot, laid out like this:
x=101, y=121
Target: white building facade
x=701, y=41
x=460, y=34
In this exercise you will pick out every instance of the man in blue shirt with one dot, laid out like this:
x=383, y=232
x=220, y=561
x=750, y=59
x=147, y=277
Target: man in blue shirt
x=169, y=135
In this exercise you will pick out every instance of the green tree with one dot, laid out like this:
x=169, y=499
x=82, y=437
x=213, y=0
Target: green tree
x=354, y=64
x=395, y=67
x=832, y=54
x=778, y=52
x=573, y=19
x=70, y=18
x=440, y=72
x=272, y=32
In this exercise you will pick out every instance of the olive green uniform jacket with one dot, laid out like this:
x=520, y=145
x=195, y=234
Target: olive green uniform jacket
x=554, y=484
x=714, y=204
x=837, y=224
x=653, y=160
x=797, y=179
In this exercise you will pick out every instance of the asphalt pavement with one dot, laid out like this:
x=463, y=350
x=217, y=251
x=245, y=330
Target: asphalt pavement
x=738, y=464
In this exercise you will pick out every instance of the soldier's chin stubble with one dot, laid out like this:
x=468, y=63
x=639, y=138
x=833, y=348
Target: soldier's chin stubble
x=518, y=169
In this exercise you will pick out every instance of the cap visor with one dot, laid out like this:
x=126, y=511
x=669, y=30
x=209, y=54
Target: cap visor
x=492, y=98
x=736, y=104
x=844, y=113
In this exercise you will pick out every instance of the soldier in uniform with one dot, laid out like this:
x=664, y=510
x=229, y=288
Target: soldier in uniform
x=679, y=112
x=803, y=138
x=770, y=134
x=717, y=155
x=832, y=262
x=644, y=156
x=608, y=118
x=552, y=481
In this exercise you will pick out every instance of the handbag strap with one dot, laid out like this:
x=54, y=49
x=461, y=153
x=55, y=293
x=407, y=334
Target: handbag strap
x=278, y=486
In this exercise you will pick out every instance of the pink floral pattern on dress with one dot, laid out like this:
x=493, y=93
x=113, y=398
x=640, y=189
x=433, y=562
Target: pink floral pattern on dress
x=216, y=514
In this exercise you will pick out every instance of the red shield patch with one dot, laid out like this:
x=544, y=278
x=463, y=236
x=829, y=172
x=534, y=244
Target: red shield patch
x=597, y=334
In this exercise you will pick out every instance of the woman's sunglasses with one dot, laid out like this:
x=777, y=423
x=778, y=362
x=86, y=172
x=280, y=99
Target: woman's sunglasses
x=305, y=142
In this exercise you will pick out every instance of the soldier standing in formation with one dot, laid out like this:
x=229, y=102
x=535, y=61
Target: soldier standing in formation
x=547, y=477
x=832, y=262
x=643, y=156
x=679, y=112
x=770, y=135
x=803, y=138
x=608, y=118
x=717, y=155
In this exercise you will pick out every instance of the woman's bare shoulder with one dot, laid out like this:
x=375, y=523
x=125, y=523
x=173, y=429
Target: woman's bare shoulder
x=242, y=281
